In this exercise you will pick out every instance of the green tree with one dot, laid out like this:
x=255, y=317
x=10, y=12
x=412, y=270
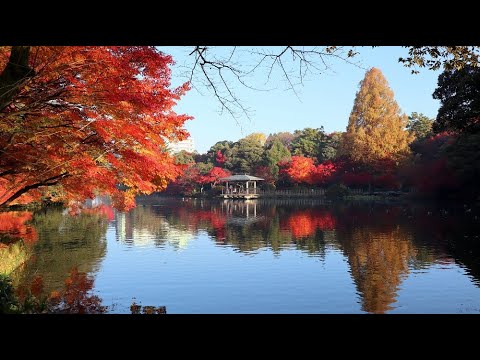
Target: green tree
x=203, y=168
x=464, y=159
x=329, y=147
x=459, y=94
x=275, y=153
x=315, y=143
x=247, y=154
x=420, y=125
x=436, y=57
x=225, y=147
x=184, y=157
x=308, y=142
x=376, y=127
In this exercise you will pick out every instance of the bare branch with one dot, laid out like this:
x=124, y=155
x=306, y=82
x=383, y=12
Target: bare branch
x=221, y=70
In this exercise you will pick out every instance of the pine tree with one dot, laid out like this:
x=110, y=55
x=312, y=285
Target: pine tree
x=376, y=127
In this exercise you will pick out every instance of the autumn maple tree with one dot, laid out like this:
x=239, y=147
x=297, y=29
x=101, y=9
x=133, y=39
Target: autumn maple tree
x=299, y=170
x=86, y=120
x=214, y=176
x=324, y=172
x=220, y=158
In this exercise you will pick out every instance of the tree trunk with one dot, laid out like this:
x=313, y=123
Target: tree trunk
x=14, y=74
x=48, y=182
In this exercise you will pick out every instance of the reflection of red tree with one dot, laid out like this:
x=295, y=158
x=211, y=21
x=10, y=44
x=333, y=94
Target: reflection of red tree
x=204, y=218
x=216, y=221
x=210, y=219
x=104, y=210
x=306, y=222
x=13, y=225
x=220, y=234
x=75, y=298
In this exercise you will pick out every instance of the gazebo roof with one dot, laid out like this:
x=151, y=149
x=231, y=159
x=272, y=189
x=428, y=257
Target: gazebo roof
x=243, y=177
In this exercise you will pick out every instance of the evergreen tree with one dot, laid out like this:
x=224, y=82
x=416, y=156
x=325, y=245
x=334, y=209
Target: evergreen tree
x=420, y=125
x=276, y=153
x=459, y=94
x=308, y=142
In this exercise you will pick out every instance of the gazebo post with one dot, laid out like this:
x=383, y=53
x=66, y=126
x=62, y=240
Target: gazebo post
x=254, y=186
x=246, y=186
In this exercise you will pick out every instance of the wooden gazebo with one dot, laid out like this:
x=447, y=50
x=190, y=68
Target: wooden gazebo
x=240, y=187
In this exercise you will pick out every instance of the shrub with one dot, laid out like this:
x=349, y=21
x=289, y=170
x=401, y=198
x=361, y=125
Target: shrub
x=337, y=191
x=8, y=300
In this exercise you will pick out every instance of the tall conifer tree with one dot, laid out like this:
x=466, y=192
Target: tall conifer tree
x=376, y=127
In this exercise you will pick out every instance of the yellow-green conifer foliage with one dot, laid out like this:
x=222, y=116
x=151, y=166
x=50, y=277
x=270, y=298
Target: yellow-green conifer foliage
x=376, y=127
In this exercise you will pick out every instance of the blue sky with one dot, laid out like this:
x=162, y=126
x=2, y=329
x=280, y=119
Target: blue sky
x=324, y=99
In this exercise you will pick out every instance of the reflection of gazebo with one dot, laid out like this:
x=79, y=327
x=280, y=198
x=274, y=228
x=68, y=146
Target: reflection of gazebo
x=240, y=213
x=240, y=187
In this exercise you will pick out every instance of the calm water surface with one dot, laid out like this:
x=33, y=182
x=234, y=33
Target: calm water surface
x=265, y=256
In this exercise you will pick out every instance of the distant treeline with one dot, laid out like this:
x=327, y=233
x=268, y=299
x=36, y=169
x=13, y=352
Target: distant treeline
x=381, y=149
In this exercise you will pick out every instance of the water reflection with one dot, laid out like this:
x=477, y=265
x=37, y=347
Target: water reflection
x=379, y=252
x=382, y=245
x=64, y=242
x=147, y=226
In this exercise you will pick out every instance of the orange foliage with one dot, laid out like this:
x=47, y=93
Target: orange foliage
x=323, y=173
x=194, y=219
x=36, y=288
x=376, y=127
x=300, y=170
x=13, y=225
x=379, y=262
x=104, y=210
x=90, y=118
x=305, y=223
x=76, y=298
x=27, y=198
x=303, y=170
x=213, y=176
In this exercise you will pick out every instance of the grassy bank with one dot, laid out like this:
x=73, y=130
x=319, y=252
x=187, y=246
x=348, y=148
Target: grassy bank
x=12, y=256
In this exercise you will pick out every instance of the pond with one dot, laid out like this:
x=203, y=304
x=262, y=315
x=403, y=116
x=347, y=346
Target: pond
x=260, y=256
